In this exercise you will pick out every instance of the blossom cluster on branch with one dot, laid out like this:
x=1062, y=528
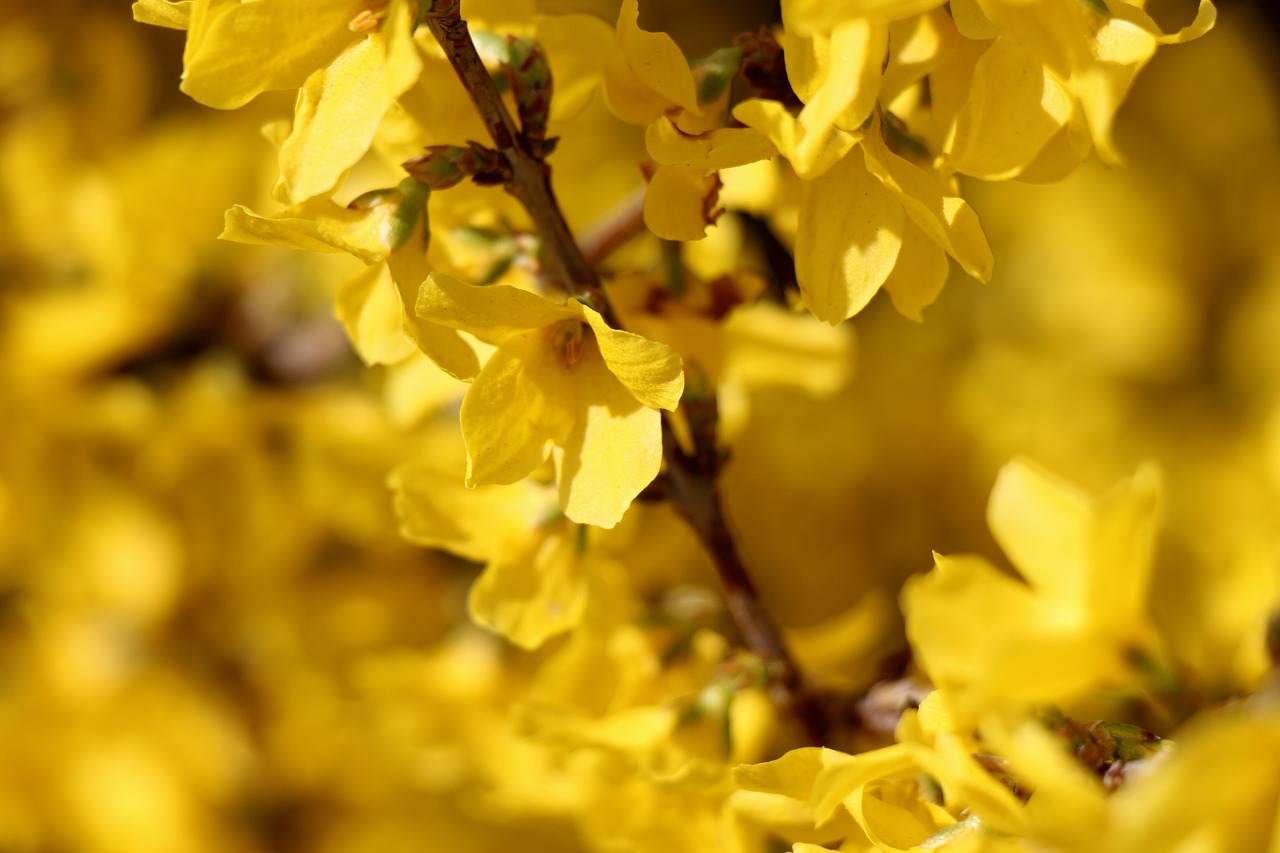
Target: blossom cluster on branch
x=613, y=549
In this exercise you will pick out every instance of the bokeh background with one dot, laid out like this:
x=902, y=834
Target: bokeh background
x=212, y=637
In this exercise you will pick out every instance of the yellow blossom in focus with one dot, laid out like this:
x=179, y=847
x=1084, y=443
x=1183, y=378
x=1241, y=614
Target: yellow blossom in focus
x=559, y=377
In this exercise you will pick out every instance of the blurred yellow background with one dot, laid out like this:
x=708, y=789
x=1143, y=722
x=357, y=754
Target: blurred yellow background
x=212, y=637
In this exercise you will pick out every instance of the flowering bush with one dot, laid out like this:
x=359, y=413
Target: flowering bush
x=601, y=517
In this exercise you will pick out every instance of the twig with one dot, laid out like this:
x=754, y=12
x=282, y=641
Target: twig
x=692, y=488
x=530, y=175
x=691, y=479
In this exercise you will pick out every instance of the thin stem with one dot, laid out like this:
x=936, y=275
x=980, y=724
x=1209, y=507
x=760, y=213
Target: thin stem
x=692, y=477
x=693, y=490
x=530, y=175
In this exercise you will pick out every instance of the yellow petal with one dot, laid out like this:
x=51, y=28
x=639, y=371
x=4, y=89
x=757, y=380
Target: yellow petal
x=519, y=405
x=370, y=310
x=1059, y=34
x=492, y=313
x=920, y=45
x=1206, y=17
x=615, y=449
x=963, y=780
x=841, y=780
x=436, y=510
x=1069, y=806
x=533, y=589
x=919, y=275
x=1124, y=550
x=792, y=775
x=1123, y=48
x=808, y=16
x=651, y=371
x=627, y=95
x=1029, y=650
x=236, y=50
x=947, y=219
x=416, y=389
x=971, y=21
x=894, y=815
x=443, y=345
x=720, y=149
x=1095, y=559
x=939, y=605
x=852, y=60
x=164, y=13
x=317, y=226
x=787, y=133
x=341, y=104
x=656, y=59
x=847, y=241
x=1014, y=108
x=679, y=201
x=578, y=48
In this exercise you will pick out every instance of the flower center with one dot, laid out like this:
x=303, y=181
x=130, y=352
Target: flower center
x=566, y=340
x=369, y=20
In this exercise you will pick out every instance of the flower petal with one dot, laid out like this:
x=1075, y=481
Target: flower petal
x=678, y=203
x=493, y=313
x=787, y=134
x=724, y=148
x=851, y=62
x=615, y=449
x=519, y=405
x=657, y=59
x=947, y=219
x=237, y=50
x=847, y=241
x=316, y=226
x=532, y=592
x=370, y=310
x=919, y=275
x=341, y=104
x=436, y=510
x=1015, y=107
x=175, y=14
x=808, y=16
x=651, y=371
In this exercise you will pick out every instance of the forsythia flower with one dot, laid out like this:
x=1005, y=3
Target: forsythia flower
x=560, y=378
x=351, y=59
x=873, y=219
x=1081, y=614
x=534, y=583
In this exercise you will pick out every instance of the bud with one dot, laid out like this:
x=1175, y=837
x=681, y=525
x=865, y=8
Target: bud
x=444, y=166
x=763, y=67
x=530, y=79
x=714, y=73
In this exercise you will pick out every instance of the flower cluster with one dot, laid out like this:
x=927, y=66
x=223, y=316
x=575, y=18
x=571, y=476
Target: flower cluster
x=613, y=549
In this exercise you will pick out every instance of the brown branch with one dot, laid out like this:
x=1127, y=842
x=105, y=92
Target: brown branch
x=530, y=175
x=693, y=490
x=691, y=479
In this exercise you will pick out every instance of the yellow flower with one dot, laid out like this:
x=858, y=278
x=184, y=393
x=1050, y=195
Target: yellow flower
x=1082, y=611
x=534, y=583
x=351, y=59
x=871, y=218
x=561, y=378
x=649, y=76
x=1092, y=49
